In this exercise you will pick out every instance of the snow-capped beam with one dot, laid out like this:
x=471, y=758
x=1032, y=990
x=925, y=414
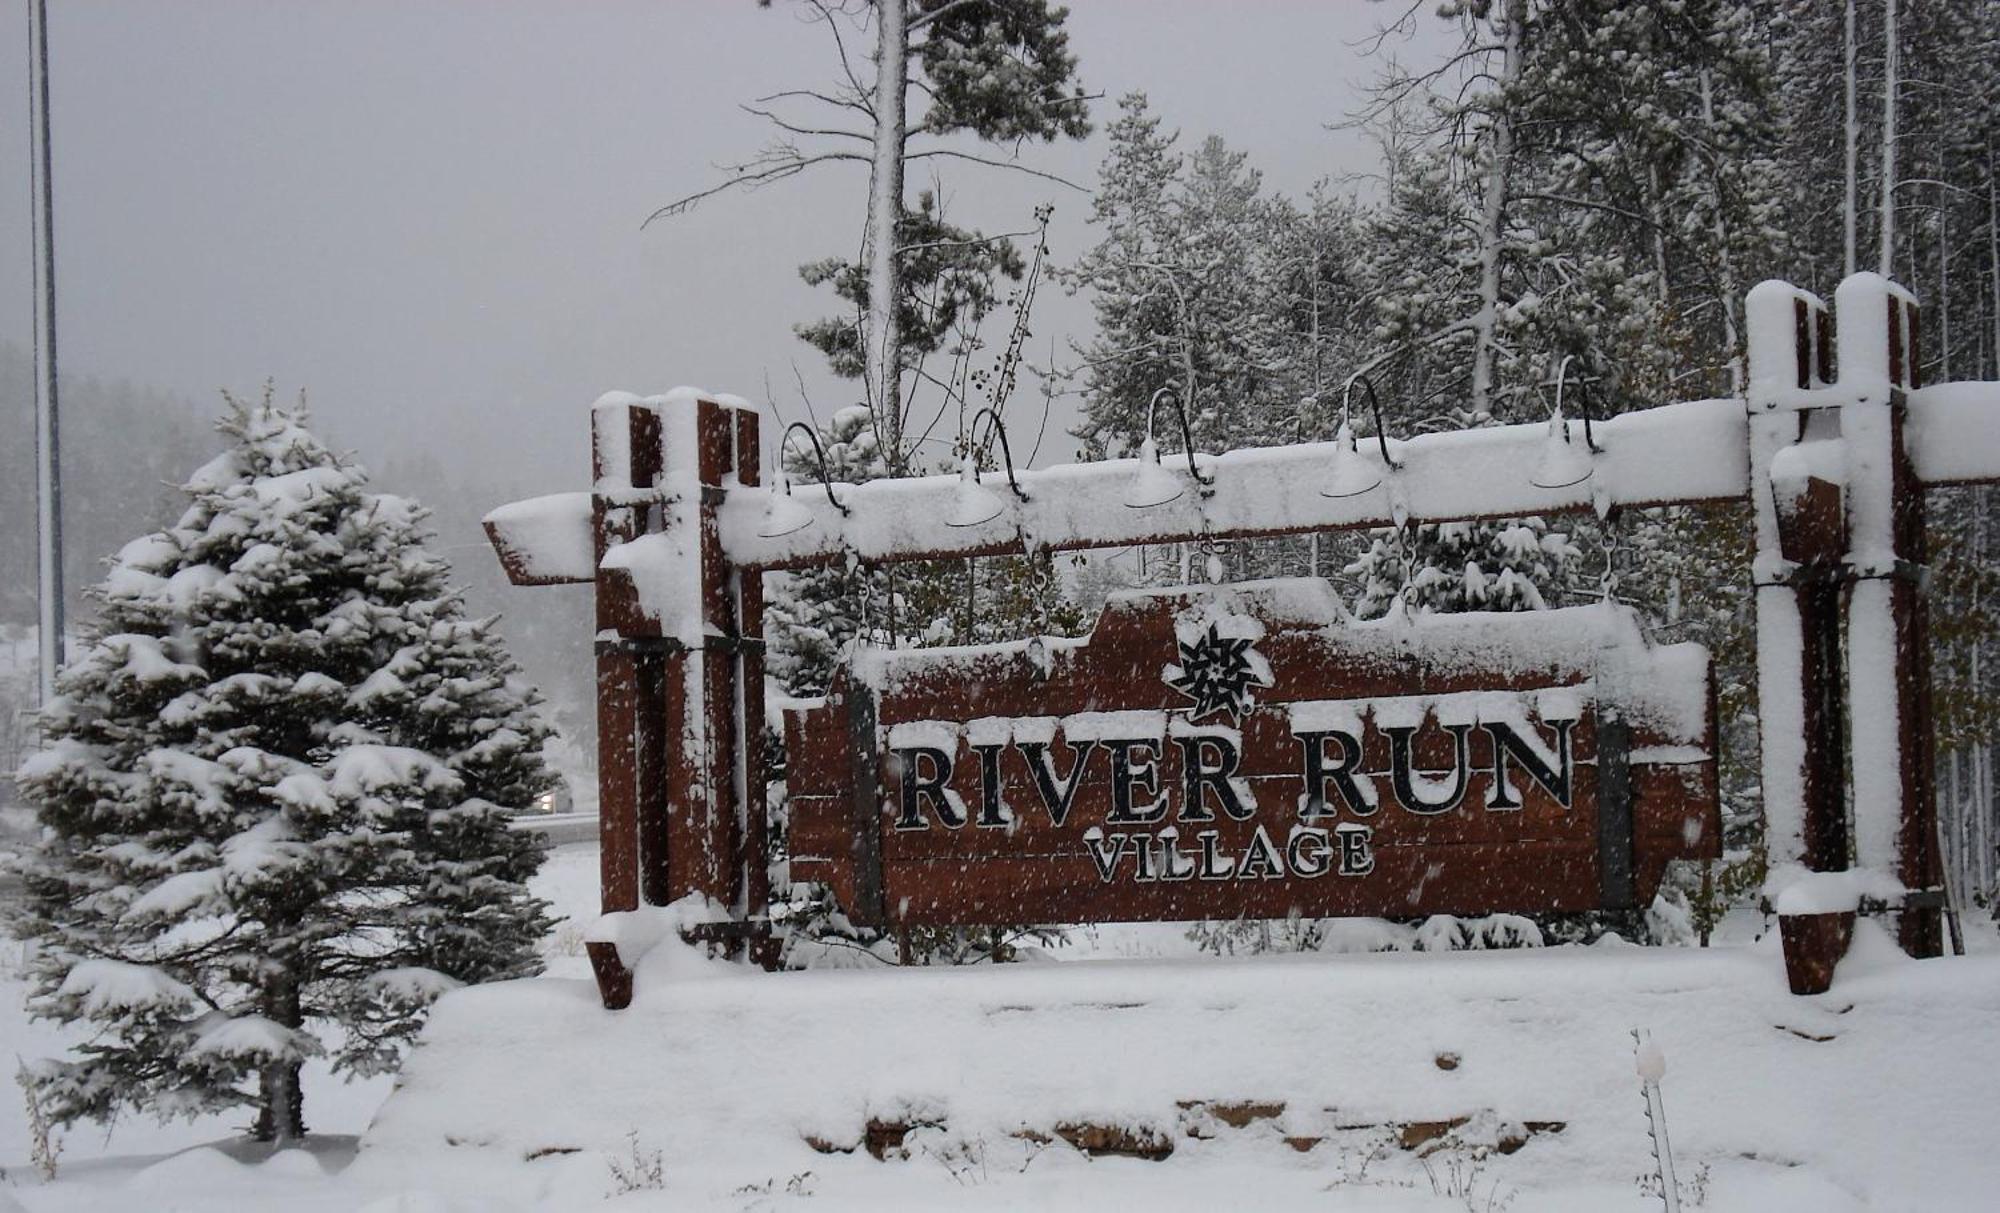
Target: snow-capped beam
x=1953, y=433
x=1677, y=453
x=545, y=540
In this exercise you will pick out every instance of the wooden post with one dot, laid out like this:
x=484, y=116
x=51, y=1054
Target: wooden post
x=625, y=464
x=702, y=612
x=679, y=664
x=747, y=590
x=1797, y=573
x=1888, y=633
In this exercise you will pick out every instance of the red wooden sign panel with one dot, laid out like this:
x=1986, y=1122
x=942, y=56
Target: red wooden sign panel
x=1251, y=751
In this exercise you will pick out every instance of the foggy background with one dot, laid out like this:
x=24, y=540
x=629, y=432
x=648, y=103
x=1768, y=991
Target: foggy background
x=426, y=214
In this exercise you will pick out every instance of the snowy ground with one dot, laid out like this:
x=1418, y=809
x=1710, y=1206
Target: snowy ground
x=1879, y=1095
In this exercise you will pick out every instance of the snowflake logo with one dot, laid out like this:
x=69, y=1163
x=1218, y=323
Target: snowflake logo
x=1217, y=672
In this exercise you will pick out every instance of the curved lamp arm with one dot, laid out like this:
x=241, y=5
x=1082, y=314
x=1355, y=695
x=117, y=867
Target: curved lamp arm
x=1375, y=405
x=994, y=426
x=819, y=453
x=1562, y=375
x=1187, y=435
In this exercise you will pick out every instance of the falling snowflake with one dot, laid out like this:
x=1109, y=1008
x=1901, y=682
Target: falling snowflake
x=1217, y=672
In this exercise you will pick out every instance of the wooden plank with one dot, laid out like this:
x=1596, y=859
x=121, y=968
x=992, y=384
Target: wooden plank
x=1949, y=433
x=544, y=540
x=863, y=808
x=1678, y=453
x=617, y=773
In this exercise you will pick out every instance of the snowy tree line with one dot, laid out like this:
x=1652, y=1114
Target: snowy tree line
x=1578, y=197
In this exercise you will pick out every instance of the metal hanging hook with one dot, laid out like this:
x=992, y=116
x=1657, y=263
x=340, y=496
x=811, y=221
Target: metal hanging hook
x=1562, y=377
x=1187, y=434
x=819, y=453
x=994, y=426
x=1375, y=406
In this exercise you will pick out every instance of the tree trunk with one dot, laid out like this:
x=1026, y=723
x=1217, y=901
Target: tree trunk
x=1851, y=203
x=1993, y=248
x=281, y=1097
x=882, y=352
x=1725, y=261
x=1942, y=310
x=1889, y=68
x=1656, y=208
x=1493, y=220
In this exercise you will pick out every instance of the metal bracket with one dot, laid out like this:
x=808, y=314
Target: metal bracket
x=1918, y=575
x=1820, y=572
x=669, y=646
x=1816, y=572
x=643, y=645
x=1915, y=899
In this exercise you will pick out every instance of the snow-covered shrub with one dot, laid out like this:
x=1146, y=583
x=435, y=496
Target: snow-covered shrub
x=645, y=1171
x=1438, y=933
x=44, y=1147
x=274, y=796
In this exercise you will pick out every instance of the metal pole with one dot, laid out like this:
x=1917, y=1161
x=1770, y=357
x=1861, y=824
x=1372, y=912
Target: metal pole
x=48, y=463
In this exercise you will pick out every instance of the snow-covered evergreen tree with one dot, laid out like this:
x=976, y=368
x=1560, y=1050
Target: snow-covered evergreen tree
x=998, y=71
x=275, y=796
x=1440, y=567
x=814, y=614
x=1181, y=285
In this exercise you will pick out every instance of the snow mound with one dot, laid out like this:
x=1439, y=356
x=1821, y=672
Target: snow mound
x=1257, y=1076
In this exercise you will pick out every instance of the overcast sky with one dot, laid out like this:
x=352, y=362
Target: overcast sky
x=427, y=212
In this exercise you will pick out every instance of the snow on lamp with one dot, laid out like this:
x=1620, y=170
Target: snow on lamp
x=1564, y=462
x=1152, y=484
x=784, y=514
x=1354, y=473
x=973, y=503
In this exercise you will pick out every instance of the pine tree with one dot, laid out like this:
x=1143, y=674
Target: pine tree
x=275, y=796
x=1182, y=284
x=999, y=71
x=815, y=614
x=949, y=277
x=1442, y=567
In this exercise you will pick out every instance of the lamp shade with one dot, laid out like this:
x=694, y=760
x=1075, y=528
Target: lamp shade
x=783, y=513
x=1562, y=462
x=1152, y=484
x=1353, y=472
x=973, y=502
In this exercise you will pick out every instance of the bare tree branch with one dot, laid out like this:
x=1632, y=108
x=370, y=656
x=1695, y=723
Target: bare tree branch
x=827, y=15
x=975, y=243
x=843, y=102
x=990, y=163
x=790, y=128
x=774, y=165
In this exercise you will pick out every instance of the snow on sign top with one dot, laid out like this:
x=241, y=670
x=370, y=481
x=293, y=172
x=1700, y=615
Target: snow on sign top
x=1680, y=452
x=1253, y=750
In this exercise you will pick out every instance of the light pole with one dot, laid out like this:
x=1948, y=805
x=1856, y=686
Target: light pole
x=48, y=462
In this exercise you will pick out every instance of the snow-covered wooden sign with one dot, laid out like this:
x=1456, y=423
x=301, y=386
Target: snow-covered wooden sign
x=1252, y=750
